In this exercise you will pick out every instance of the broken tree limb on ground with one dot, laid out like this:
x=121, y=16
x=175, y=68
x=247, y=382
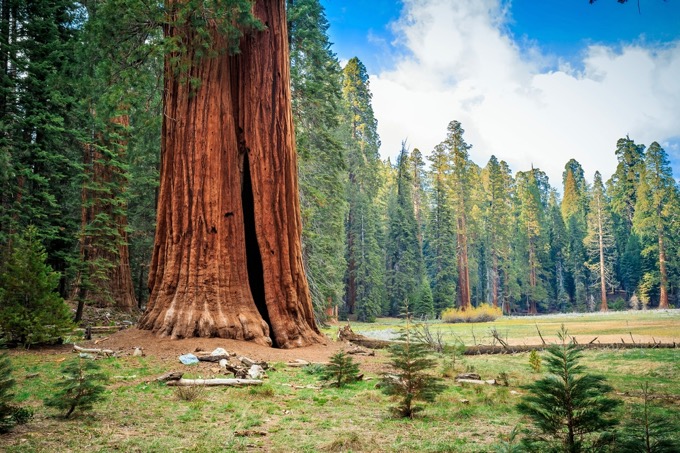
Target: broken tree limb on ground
x=477, y=381
x=345, y=333
x=497, y=349
x=171, y=376
x=106, y=352
x=214, y=382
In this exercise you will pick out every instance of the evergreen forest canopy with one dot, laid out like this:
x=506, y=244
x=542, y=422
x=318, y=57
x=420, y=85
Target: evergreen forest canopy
x=80, y=131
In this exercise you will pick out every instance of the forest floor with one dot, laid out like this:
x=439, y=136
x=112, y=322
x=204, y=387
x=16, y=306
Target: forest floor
x=293, y=411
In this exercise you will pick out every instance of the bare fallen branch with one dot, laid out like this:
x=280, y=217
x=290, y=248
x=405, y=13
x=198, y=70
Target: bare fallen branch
x=106, y=352
x=215, y=382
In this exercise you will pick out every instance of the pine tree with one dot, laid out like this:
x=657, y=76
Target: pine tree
x=498, y=186
x=460, y=191
x=600, y=242
x=341, y=370
x=81, y=388
x=10, y=415
x=317, y=91
x=410, y=380
x=40, y=123
x=622, y=189
x=574, y=211
x=532, y=198
x=440, y=241
x=364, y=288
x=405, y=269
x=647, y=430
x=569, y=408
x=31, y=311
x=558, y=273
x=656, y=209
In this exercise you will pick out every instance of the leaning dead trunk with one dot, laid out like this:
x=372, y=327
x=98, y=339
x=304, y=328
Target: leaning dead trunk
x=227, y=259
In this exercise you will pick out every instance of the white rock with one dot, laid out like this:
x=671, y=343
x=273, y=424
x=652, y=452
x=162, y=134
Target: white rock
x=223, y=363
x=219, y=351
x=256, y=372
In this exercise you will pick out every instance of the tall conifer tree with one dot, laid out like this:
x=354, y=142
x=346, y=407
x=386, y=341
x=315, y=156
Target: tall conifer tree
x=600, y=242
x=364, y=290
x=656, y=210
x=317, y=92
x=440, y=240
x=404, y=255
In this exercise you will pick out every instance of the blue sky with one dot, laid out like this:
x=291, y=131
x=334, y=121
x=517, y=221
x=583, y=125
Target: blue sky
x=533, y=82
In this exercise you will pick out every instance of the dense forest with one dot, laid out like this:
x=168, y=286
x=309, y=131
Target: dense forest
x=81, y=111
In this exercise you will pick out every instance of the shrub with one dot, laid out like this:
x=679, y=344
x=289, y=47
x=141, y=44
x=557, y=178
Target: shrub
x=410, y=379
x=10, y=415
x=535, y=361
x=30, y=309
x=189, y=392
x=341, y=370
x=483, y=313
x=81, y=387
x=649, y=431
x=569, y=408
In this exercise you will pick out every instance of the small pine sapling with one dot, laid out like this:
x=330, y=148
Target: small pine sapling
x=569, y=408
x=410, y=380
x=648, y=431
x=31, y=310
x=341, y=370
x=535, y=361
x=81, y=387
x=10, y=415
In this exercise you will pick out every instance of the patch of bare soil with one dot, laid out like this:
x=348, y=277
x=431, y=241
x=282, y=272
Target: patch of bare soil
x=167, y=350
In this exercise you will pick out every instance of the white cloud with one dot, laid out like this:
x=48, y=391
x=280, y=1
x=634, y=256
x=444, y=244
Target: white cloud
x=461, y=65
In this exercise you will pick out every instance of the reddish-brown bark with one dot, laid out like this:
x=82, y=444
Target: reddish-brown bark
x=227, y=258
x=106, y=254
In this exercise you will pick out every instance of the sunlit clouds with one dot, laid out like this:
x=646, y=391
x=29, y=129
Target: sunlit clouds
x=460, y=63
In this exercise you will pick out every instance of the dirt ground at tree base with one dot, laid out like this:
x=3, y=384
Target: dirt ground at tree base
x=166, y=350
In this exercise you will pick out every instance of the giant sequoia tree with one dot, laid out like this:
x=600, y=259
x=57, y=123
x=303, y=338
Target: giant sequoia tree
x=227, y=258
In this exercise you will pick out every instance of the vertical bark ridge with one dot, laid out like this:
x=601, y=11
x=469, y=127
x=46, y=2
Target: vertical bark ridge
x=236, y=125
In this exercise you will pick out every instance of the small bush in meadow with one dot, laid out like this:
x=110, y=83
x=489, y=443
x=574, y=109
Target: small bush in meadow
x=10, y=415
x=535, y=361
x=81, y=387
x=341, y=370
x=189, y=392
x=483, y=313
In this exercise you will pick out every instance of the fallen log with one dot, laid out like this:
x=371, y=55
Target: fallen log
x=171, y=376
x=477, y=381
x=92, y=350
x=214, y=382
x=491, y=349
x=212, y=358
x=345, y=333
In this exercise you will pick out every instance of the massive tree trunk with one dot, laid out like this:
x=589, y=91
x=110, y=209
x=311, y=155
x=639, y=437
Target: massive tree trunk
x=104, y=240
x=227, y=258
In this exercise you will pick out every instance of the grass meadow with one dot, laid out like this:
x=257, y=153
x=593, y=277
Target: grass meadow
x=290, y=413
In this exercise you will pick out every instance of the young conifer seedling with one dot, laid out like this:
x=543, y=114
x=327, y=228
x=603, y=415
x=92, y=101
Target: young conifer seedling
x=341, y=370
x=569, y=408
x=81, y=387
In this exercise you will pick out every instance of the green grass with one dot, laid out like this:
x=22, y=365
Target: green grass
x=141, y=415
x=523, y=329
